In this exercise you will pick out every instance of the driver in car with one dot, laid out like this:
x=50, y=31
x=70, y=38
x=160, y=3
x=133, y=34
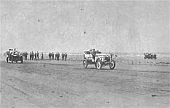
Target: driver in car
x=93, y=52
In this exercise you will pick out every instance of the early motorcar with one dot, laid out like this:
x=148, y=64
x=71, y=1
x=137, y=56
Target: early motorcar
x=14, y=56
x=149, y=56
x=98, y=59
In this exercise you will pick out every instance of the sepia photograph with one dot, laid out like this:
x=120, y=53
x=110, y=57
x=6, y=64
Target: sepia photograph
x=85, y=54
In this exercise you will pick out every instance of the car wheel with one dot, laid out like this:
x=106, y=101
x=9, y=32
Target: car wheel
x=7, y=59
x=85, y=63
x=95, y=65
x=99, y=64
x=112, y=65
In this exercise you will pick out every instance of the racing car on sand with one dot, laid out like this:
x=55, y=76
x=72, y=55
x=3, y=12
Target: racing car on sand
x=98, y=59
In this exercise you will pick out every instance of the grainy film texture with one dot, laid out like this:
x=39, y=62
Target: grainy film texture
x=85, y=54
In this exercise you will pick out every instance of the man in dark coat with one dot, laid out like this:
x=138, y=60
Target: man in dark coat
x=37, y=55
x=30, y=55
x=49, y=56
x=65, y=56
x=52, y=55
x=26, y=55
x=62, y=56
x=58, y=56
x=42, y=56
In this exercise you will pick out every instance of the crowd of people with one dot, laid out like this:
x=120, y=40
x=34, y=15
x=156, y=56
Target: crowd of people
x=56, y=56
x=34, y=56
x=51, y=55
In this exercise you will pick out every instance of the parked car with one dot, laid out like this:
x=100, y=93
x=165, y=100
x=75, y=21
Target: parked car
x=14, y=56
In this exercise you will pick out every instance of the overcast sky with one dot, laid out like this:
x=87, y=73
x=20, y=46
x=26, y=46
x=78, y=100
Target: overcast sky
x=78, y=25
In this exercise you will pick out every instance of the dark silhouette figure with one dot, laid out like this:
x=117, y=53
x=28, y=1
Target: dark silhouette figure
x=49, y=55
x=37, y=55
x=62, y=56
x=25, y=54
x=52, y=55
x=65, y=56
x=42, y=56
x=58, y=56
x=32, y=55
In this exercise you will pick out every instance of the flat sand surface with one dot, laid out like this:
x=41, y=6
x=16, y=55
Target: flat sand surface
x=66, y=84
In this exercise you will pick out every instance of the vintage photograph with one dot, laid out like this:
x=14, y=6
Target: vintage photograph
x=85, y=54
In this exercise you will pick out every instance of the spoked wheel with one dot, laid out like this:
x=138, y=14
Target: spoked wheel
x=85, y=63
x=112, y=65
x=99, y=64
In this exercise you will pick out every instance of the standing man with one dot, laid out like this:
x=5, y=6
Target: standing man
x=30, y=55
x=58, y=56
x=65, y=56
x=42, y=56
x=93, y=52
x=49, y=55
x=52, y=56
x=37, y=55
x=26, y=55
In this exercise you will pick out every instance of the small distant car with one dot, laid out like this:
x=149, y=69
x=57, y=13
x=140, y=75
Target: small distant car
x=98, y=59
x=14, y=56
x=149, y=56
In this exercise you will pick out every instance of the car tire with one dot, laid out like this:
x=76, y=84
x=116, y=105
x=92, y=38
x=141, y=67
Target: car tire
x=85, y=63
x=95, y=65
x=99, y=64
x=7, y=59
x=112, y=64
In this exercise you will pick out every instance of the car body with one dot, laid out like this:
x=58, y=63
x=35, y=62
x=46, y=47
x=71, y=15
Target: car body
x=149, y=56
x=98, y=59
x=14, y=56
